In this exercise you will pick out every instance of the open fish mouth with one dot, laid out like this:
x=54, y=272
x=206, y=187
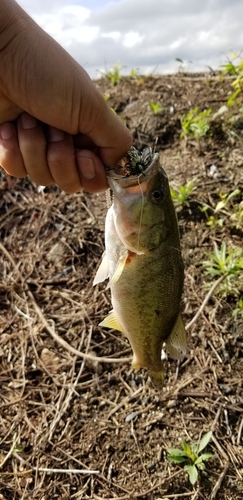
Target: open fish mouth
x=135, y=168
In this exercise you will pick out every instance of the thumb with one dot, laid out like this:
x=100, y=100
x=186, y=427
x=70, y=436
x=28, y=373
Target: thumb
x=103, y=127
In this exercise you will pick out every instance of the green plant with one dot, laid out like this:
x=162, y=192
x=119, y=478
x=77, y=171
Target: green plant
x=232, y=99
x=114, y=73
x=134, y=72
x=236, y=216
x=181, y=195
x=234, y=67
x=155, y=107
x=226, y=210
x=196, y=123
x=225, y=199
x=192, y=455
x=183, y=66
x=228, y=263
x=15, y=448
x=239, y=308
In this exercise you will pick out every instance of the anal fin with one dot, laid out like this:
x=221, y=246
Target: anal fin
x=111, y=321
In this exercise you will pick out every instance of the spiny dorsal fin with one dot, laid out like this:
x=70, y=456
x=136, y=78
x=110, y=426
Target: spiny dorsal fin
x=103, y=271
x=177, y=342
x=111, y=321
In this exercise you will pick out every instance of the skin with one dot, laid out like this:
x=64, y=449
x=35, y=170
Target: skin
x=55, y=126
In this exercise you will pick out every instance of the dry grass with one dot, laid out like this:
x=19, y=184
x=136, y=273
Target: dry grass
x=75, y=421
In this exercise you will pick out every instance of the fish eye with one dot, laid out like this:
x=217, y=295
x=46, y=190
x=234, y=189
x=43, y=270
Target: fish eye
x=157, y=194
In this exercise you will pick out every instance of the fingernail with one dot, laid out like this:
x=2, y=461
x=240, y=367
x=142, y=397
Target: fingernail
x=87, y=167
x=6, y=131
x=56, y=135
x=28, y=121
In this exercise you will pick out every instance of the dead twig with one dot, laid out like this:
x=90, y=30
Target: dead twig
x=218, y=483
x=239, y=432
x=67, y=346
x=204, y=303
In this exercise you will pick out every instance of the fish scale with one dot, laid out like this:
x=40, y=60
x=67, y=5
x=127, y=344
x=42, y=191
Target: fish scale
x=144, y=266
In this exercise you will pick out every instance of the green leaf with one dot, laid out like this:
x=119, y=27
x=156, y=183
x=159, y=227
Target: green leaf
x=220, y=205
x=221, y=110
x=201, y=466
x=204, y=441
x=203, y=458
x=18, y=448
x=176, y=451
x=192, y=473
x=177, y=459
x=186, y=448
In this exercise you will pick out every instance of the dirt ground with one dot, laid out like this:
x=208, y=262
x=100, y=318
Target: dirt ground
x=76, y=422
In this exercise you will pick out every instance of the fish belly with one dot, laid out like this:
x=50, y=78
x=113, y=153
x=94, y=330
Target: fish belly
x=146, y=303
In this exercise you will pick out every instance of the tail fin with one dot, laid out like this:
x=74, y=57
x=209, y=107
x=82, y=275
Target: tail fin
x=157, y=377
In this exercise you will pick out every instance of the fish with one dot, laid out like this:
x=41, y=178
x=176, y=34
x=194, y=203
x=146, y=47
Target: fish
x=143, y=263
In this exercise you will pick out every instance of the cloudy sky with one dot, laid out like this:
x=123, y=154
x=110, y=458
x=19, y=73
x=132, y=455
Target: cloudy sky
x=148, y=34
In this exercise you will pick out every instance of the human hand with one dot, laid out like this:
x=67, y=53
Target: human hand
x=54, y=124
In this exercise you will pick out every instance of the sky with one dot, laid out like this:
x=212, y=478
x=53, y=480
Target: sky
x=145, y=35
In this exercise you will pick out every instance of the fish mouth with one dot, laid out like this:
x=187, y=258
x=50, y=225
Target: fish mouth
x=128, y=180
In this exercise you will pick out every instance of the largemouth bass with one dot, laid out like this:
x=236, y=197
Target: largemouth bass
x=143, y=263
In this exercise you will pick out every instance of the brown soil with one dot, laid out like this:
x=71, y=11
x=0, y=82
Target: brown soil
x=61, y=411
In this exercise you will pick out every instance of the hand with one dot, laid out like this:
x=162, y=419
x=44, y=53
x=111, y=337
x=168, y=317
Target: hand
x=55, y=126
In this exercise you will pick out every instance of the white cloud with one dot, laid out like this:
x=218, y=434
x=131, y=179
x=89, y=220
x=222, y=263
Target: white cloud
x=115, y=35
x=149, y=34
x=132, y=38
x=68, y=24
x=177, y=43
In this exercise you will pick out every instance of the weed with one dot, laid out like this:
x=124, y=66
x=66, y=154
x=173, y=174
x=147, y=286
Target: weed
x=15, y=448
x=232, y=99
x=225, y=199
x=239, y=307
x=196, y=123
x=114, y=74
x=123, y=120
x=192, y=455
x=134, y=72
x=234, y=67
x=183, y=66
x=236, y=216
x=181, y=195
x=226, y=210
x=155, y=107
x=228, y=263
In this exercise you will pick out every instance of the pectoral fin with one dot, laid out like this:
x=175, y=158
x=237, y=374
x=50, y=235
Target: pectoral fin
x=111, y=321
x=103, y=271
x=176, y=344
x=119, y=268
